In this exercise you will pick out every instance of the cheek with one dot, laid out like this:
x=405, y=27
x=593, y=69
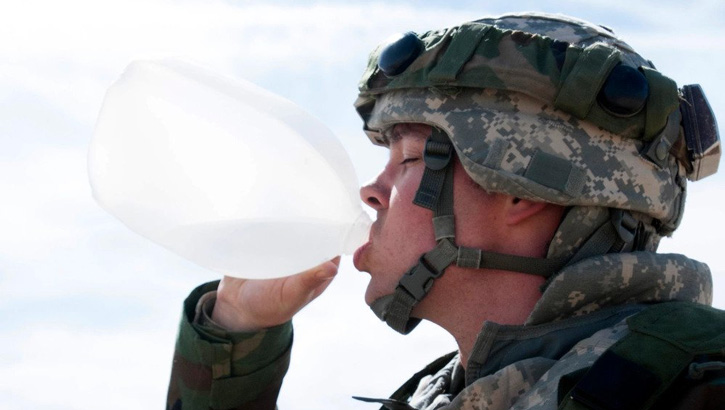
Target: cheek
x=407, y=185
x=410, y=226
x=478, y=214
x=402, y=209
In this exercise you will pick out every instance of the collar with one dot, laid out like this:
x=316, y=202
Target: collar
x=588, y=296
x=498, y=346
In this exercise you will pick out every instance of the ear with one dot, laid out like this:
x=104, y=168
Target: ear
x=519, y=210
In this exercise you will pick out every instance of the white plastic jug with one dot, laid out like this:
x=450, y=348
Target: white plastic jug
x=223, y=173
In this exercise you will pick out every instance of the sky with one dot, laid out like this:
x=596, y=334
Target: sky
x=89, y=309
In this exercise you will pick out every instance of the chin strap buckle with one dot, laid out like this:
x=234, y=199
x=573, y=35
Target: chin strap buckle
x=435, y=192
x=419, y=279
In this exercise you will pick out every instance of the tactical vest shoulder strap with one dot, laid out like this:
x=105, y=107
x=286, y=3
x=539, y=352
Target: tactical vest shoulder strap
x=665, y=341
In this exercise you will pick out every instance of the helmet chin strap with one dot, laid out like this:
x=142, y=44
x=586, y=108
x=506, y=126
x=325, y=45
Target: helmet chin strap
x=436, y=193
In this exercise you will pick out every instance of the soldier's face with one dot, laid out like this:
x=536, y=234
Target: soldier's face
x=403, y=231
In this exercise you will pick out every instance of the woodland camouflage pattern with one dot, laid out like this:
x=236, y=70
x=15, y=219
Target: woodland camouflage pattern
x=216, y=369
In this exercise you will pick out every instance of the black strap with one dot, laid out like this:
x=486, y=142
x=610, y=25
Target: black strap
x=477, y=258
x=618, y=234
x=395, y=310
x=437, y=156
x=435, y=192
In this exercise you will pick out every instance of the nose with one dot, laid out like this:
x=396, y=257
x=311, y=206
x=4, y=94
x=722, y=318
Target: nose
x=376, y=194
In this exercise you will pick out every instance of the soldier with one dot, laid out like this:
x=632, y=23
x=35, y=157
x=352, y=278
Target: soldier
x=535, y=163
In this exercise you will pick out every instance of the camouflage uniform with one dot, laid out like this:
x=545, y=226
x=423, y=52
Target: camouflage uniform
x=525, y=101
x=580, y=315
x=216, y=369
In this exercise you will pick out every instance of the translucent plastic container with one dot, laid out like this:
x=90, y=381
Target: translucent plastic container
x=223, y=173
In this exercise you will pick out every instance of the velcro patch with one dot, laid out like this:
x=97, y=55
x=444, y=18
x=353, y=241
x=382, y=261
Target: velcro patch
x=554, y=172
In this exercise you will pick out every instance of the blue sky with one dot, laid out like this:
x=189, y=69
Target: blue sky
x=89, y=309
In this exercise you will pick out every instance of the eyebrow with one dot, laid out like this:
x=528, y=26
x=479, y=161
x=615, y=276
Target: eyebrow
x=393, y=135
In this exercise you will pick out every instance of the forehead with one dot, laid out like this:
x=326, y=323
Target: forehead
x=408, y=130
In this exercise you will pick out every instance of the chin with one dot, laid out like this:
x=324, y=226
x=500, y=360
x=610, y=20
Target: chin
x=376, y=290
x=373, y=293
x=369, y=298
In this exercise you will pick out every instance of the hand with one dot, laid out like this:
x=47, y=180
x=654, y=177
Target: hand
x=253, y=304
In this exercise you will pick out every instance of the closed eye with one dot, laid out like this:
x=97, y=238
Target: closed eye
x=409, y=160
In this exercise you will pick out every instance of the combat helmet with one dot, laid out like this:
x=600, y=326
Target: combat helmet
x=546, y=108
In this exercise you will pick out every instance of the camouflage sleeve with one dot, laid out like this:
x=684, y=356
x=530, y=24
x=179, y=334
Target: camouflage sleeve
x=216, y=369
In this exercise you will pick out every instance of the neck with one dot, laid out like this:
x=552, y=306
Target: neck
x=497, y=296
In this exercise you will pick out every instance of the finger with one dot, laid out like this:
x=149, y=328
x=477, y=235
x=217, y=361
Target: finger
x=306, y=286
x=312, y=278
x=327, y=270
x=320, y=288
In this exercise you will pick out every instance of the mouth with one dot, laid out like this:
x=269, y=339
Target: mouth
x=356, y=257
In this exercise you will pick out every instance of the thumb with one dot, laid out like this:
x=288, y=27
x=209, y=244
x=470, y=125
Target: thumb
x=314, y=281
